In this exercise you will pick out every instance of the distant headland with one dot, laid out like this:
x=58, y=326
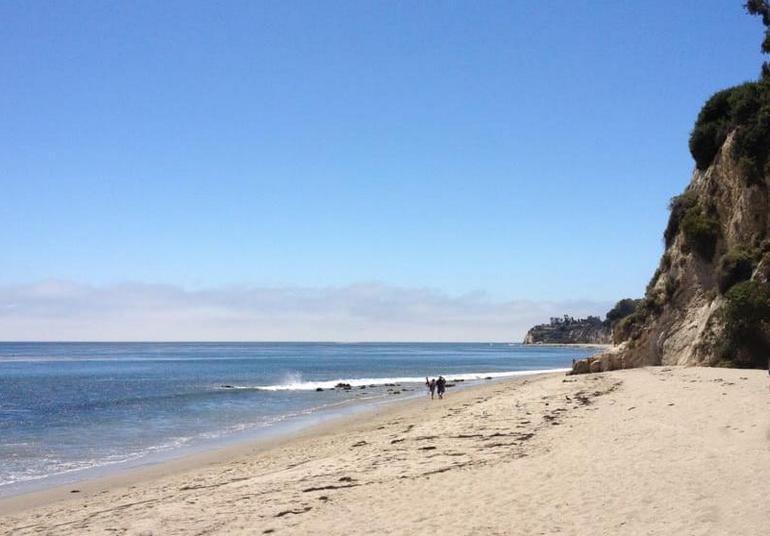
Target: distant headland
x=589, y=330
x=568, y=330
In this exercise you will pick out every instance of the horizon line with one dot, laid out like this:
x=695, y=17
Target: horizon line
x=250, y=342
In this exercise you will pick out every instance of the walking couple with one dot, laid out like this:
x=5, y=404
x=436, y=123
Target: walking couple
x=434, y=385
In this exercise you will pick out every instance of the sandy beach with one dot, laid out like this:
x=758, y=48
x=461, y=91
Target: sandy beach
x=643, y=451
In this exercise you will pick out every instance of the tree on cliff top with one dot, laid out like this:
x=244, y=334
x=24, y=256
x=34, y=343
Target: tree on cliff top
x=762, y=9
x=743, y=109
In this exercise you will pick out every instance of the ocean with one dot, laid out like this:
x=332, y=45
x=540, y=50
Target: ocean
x=70, y=411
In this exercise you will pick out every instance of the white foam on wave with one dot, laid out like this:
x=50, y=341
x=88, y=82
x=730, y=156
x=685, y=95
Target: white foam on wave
x=298, y=385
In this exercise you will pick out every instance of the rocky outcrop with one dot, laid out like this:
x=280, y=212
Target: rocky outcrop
x=683, y=318
x=567, y=330
x=708, y=302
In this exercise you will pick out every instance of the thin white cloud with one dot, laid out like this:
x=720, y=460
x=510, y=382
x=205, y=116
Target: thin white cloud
x=65, y=311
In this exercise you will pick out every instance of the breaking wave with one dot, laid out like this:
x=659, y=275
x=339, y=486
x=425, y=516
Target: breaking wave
x=295, y=383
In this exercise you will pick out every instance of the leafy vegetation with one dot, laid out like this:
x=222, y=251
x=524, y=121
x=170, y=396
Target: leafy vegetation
x=762, y=9
x=679, y=206
x=621, y=310
x=746, y=316
x=735, y=266
x=701, y=231
x=625, y=328
x=700, y=227
x=711, y=129
x=630, y=325
x=741, y=113
x=744, y=109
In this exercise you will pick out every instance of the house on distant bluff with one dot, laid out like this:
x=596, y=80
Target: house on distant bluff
x=568, y=330
x=590, y=330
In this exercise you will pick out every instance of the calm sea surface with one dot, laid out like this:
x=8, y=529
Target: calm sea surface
x=68, y=409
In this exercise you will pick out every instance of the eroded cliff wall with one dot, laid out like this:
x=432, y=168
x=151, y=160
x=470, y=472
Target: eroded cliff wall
x=716, y=238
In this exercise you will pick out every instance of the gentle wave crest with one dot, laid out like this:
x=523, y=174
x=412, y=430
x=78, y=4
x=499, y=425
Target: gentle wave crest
x=296, y=384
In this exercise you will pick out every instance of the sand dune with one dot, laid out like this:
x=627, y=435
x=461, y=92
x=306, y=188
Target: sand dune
x=646, y=451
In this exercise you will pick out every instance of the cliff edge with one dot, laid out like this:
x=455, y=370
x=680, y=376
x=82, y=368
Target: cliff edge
x=708, y=302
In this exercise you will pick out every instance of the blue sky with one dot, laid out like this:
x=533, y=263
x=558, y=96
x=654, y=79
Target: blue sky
x=525, y=151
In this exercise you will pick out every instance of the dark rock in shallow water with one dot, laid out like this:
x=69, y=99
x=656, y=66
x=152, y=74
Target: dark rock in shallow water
x=227, y=387
x=488, y=378
x=345, y=386
x=319, y=389
x=449, y=385
x=362, y=387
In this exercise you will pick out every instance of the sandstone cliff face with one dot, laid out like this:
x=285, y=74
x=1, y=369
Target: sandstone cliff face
x=682, y=320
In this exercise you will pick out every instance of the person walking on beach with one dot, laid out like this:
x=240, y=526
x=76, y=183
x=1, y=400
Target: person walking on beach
x=431, y=386
x=441, y=386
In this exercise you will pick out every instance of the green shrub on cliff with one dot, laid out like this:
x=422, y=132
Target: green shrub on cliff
x=700, y=231
x=678, y=206
x=735, y=266
x=625, y=328
x=761, y=8
x=621, y=310
x=711, y=128
x=748, y=303
x=746, y=315
x=744, y=109
x=700, y=227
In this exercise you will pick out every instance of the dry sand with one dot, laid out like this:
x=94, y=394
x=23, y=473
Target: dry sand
x=668, y=451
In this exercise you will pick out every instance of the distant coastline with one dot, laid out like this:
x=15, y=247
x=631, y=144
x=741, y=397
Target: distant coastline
x=591, y=330
x=598, y=345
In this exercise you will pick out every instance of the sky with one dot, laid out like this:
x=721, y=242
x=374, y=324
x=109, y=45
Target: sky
x=352, y=170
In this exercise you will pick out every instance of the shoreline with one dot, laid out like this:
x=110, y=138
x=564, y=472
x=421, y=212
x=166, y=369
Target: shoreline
x=292, y=425
x=335, y=421
x=155, y=463
x=128, y=476
x=568, y=345
x=659, y=450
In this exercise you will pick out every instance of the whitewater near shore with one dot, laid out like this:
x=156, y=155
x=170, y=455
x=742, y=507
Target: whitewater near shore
x=644, y=451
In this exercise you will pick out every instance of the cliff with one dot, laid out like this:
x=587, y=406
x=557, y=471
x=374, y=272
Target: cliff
x=708, y=302
x=568, y=330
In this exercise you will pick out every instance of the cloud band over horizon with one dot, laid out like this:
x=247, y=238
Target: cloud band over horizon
x=68, y=311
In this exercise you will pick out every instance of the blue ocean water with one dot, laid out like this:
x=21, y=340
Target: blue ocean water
x=67, y=408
